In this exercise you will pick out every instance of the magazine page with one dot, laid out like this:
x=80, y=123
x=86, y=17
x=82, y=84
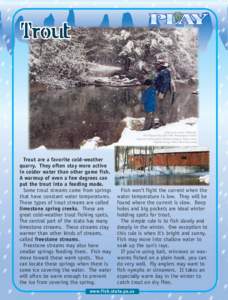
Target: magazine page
x=113, y=150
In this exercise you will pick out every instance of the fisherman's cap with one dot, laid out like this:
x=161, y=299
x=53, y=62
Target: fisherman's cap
x=161, y=63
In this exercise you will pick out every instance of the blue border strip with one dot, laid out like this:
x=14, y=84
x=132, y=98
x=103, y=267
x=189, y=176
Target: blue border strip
x=216, y=138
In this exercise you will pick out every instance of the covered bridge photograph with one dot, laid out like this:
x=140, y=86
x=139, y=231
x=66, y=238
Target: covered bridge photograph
x=162, y=165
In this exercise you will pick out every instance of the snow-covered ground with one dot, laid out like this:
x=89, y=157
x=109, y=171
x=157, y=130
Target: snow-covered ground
x=42, y=147
x=173, y=134
x=91, y=143
x=182, y=133
x=205, y=179
x=154, y=176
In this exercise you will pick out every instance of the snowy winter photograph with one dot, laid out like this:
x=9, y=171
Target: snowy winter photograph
x=107, y=87
x=161, y=165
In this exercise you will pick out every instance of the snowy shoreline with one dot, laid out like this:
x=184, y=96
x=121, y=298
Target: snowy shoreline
x=159, y=136
x=133, y=135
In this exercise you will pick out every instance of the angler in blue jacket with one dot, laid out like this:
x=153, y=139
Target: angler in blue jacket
x=165, y=91
x=163, y=80
x=149, y=102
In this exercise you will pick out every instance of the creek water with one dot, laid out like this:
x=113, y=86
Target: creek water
x=67, y=117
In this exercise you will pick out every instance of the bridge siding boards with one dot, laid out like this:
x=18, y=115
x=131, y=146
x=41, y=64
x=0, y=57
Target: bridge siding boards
x=188, y=159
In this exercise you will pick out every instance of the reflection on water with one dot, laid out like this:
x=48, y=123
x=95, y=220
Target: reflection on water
x=159, y=180
x=64, y=118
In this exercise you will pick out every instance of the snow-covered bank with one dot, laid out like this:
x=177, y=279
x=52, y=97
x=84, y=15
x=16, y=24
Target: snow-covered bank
x=92, y=143
x=205, y=179
x=182, y=133
x=141, y=178
x=173, y=134
x=42, y=147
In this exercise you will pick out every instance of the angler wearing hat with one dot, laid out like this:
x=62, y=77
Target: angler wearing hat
x=165, y=90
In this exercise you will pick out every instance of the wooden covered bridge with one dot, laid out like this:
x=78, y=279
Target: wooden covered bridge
x=169, y=157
